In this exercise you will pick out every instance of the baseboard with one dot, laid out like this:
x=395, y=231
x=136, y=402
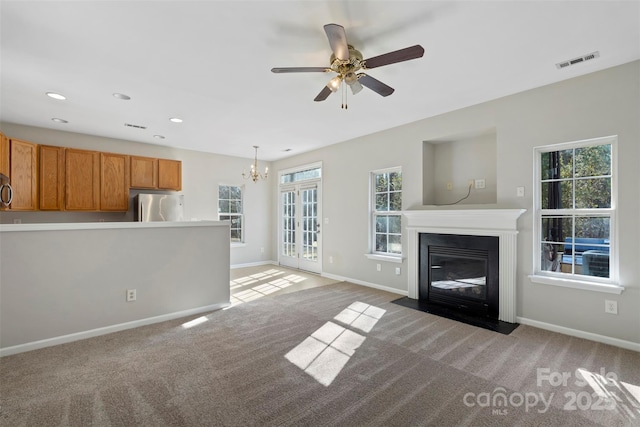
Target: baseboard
x=363, y=283
x=253, y=264
x=21, y=348
x=629, y=345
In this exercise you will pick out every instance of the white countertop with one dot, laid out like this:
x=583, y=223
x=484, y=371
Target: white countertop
x=107, y=225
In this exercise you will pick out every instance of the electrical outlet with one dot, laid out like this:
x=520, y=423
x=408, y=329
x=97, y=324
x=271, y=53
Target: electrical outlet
x=261, y=250
x=472, y=182
x=330, y=260
x=131, y=295
x=479, y=183
x=17, y=221
x=610, y=306
x=378, y=267
x=397, y=271
x=449, y=186
x=519, y=191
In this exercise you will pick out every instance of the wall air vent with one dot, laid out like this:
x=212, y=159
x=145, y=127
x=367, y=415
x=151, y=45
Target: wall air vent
x=574, y=61
x=135, y=126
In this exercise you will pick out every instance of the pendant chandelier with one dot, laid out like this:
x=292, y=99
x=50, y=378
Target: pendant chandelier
x=254, y=174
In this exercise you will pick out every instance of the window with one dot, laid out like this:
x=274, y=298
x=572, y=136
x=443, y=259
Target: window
x=386, y=212
x=230, y=209
x=576, y=211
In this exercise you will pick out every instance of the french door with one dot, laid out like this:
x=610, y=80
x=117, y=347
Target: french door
x=300, y=238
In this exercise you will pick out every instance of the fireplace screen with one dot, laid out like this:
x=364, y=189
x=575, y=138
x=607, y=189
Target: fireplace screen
x=460, y=272
x=462, y=276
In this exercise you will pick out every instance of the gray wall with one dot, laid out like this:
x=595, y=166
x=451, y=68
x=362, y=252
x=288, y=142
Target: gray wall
x=201, y=175
x=595, y=105
x=64, y=282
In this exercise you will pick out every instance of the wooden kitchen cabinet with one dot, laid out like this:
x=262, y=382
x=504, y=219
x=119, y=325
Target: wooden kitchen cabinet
x=170, y=174
x=114, y=182
x=51, y=188
x=24, y=174
x=144, y=172
x=82, y=180
x=4, y=155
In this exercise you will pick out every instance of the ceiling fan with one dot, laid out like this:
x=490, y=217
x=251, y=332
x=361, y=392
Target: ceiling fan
x=346, y=61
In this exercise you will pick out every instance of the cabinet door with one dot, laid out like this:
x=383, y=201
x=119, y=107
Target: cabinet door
x=51, y=178
x=24, y=175
x=4, y=155
x=114, y=182
x=82, y=180
x=144, y=172
x=170, y=174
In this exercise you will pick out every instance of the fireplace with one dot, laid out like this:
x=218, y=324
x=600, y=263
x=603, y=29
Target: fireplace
x=460, y=272
x=499, y=226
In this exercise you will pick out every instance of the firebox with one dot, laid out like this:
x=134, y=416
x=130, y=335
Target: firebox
x=460, y=272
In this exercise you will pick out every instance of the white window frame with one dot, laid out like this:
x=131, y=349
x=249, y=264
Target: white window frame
x=572, y=280
x=373, y=254
x=240, y=214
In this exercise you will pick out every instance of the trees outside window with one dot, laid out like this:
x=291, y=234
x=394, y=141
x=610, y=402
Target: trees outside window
x=386, y=211
x=575, y=209
x=230, y=209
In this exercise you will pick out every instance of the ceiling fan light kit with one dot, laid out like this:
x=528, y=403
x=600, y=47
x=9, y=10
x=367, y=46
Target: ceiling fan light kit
x=346, y=61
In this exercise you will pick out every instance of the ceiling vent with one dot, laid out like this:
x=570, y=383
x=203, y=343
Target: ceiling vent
x=578, y=60
x=135, y=126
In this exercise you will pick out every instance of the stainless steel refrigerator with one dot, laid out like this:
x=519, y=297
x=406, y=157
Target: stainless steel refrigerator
x=159, y=207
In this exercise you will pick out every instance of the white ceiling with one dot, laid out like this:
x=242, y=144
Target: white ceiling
x=209, y=62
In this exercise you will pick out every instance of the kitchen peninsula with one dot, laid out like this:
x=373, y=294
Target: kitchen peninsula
x=68, y=281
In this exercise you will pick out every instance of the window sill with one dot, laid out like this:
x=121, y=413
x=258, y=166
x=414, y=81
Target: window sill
x=238, y=245
x=577, y=284
x=389, y=258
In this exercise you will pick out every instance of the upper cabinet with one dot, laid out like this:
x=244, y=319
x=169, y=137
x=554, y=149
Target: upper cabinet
x=4, y=155
x=82, y=180
x=24, y=175
x=51, y=178
x=170, y=174
x=144, y=172
x=158, y=174
x=114, y=182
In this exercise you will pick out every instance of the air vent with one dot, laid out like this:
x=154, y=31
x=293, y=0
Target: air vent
x=578, y=60
x=135, y=126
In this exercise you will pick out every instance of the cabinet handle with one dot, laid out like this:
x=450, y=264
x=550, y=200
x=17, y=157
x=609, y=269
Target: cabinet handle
x=9, y=192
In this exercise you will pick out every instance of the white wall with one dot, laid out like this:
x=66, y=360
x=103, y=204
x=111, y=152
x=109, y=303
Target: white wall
x=201, y=175
x=595, y=105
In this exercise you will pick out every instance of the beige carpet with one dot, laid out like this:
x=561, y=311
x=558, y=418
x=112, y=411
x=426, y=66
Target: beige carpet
x=336, y=355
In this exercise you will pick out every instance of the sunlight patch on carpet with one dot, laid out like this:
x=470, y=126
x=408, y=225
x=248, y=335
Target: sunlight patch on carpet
x=325, y=352
x=261, y=284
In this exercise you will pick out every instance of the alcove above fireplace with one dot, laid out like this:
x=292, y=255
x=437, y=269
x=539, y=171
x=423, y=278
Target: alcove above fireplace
x=496, y=223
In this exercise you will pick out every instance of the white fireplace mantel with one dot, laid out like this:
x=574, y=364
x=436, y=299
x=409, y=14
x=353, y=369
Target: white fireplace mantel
x=501, y=223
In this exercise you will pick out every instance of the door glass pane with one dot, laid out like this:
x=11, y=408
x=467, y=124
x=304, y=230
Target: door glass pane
x=309, y=224
x=288, y=224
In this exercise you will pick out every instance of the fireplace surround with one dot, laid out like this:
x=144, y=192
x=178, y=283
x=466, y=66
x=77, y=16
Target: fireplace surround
x=500, y=223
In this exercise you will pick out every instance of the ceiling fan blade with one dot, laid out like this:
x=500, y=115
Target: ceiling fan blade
x=375, y=85
x=324, y=93
x=405, y=54
x=300, y=70
x=337, y=40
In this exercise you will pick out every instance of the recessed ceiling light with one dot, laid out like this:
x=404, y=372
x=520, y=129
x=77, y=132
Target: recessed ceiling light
x=158, y=136
x=121, y=96
x=56, y=96
x=175, y=120
x=57, y=120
